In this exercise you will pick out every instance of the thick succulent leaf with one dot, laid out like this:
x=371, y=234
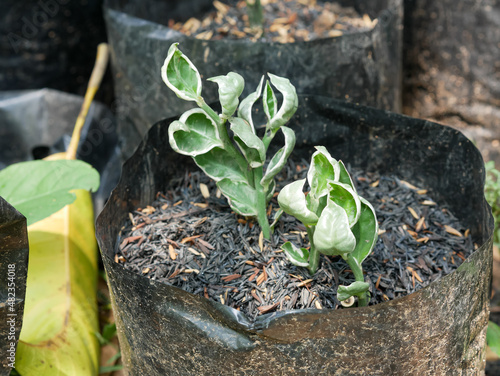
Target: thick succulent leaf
x=278, y=161
x=297, y=256
x=355, y=288
x=270, y=103
x=289, y=105
x=250, y=145
x=270, y=191
x=245, y=109
x=194, y=133
x=60, y=316
x=48, y=188
x=218, y=164
x=323, y=168
x=180, y=75
x=365, y=231
x=345, y=197
x=344, y=176
x=242, y=197
x=230, y=88
x=333, y=235
x=293, y=201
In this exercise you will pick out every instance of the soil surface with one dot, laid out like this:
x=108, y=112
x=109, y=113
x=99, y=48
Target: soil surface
x=284, y=21
x=190, y=238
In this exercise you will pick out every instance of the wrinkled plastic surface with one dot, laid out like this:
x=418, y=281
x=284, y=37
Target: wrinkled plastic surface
x=49, y=43
x=440, y=329
x=35, y=123
x=13, y=269
x=451, y=61
x=362, y=67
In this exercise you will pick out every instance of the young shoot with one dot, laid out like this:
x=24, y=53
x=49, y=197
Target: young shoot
x=338, y=221
x=236, y=163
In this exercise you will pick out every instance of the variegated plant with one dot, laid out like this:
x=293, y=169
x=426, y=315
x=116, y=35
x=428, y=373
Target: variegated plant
x=235, y=164
x=338, y=221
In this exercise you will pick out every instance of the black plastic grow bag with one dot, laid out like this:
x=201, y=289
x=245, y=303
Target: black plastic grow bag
x=440, y=329
x=362, y=67
x=14, y=270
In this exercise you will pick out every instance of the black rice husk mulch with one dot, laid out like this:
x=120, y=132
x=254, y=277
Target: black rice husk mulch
x=202, y=247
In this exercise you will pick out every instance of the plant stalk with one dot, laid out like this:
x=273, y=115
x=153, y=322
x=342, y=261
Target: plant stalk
x=255, y=13
x=313, y=253
x=358, y=275
x=261, y=204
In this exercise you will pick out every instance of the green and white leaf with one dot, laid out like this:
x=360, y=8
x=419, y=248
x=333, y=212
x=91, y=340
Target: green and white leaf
x=345, y=197
x=293, y=201
x=250, y=145
x=278, y=161
x=354, y=289
x=180, y=75
x=365, y=231
x=333, y=235
x=241, y=196
x=297, y=256
x=289, y=105
x=40, y=188
x=194, y=133
x=270, y=191
x=323, y=169
x=230, y=88
x=245, y=108
x=218, y=164
x=270, y=103
x=344, y=176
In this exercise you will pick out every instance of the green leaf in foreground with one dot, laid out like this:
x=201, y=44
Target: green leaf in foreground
x=493, y=337
x=40, y=188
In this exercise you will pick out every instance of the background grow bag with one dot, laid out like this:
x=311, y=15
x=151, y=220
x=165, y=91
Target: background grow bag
x=13, y=251
x=440, y=329
x=362, y=67
x=36, y=123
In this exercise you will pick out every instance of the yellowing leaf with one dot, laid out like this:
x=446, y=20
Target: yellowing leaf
x=60, y=316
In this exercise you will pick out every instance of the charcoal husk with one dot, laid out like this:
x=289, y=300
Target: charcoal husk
x=439, y=329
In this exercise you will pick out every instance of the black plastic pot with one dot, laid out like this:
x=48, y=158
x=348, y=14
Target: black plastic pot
x=36, y=123
x=14, y=270
x=437, y=330
x=362, y=67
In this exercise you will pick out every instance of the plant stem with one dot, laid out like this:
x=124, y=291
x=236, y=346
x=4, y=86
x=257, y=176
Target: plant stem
x=358, y=275
x=255, y=14
x=313, y=253
x=261, y=204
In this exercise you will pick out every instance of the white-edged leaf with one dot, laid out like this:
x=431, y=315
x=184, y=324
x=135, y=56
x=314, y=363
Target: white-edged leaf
x=355, y=288
x=289, y=105
x=344, y=196
x=180, y=75
x=270, y=191
x=270, y=103
x=194, y=133
x=365, y=231
x=297, y=256
x=323, y=168
x=250, y=145
x=40, y=188
x=333, y=235
x=230, y=88
x=218, y=164
x=344, y=176
x=279, y=159
x=245, y=108
x=293, y=201
x=242, y=197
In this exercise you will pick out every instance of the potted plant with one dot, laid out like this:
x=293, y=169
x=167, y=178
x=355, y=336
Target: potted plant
x=436, y=330
x=363, y=66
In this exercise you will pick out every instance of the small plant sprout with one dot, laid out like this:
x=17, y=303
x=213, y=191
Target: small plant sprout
x=338, y=221
x=235, y=164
